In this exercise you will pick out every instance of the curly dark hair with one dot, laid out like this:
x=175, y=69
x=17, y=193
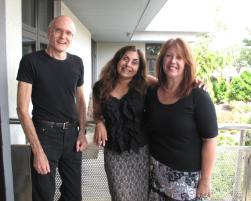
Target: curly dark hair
x=187, y=83
x=109, y=75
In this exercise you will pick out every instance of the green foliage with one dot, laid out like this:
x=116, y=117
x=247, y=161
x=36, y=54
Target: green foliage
x=248, y=138
x=248, y=135
x=220, y=88
x=246, y=76
x=244, y=58
x=247, y=42
x=208, y=60
x=240, y=88
x=226, y=140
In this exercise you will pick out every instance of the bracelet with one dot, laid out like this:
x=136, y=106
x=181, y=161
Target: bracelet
x=99, y=120
x=83, y=129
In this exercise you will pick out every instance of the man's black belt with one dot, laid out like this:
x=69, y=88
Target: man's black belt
x=63, y=125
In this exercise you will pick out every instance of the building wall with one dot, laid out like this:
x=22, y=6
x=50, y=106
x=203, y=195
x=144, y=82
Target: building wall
x=105, y=52
x=82, y=47
x=14, y=54
x=5, y=167
x=14, y=49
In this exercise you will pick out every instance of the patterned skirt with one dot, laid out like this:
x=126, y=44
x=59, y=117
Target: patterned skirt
x=128, y=174
x=167, y=184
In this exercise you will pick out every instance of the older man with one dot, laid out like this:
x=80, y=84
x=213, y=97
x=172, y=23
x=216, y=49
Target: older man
x=53, y=80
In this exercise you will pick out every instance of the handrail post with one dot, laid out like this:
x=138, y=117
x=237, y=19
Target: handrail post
x=237, y=180
x=247, y=178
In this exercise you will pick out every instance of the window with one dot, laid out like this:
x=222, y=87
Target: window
x=152, y=51
x=28, y=12
x=45, y=14
x=36, y=16
x=28, y=46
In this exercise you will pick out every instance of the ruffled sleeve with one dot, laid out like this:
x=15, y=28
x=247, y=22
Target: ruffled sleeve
x=124, y=122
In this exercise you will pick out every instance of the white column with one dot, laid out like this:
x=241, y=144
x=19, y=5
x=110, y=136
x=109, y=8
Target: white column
x=4, y=108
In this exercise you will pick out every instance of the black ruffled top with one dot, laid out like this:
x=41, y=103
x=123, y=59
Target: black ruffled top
x=124, y=122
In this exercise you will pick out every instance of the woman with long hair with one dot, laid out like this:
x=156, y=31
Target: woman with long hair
x=182, y=127
x=118, y=107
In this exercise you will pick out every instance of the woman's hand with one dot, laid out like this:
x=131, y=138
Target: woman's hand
x=204, y=188
x=208, y=154
x=100, y=136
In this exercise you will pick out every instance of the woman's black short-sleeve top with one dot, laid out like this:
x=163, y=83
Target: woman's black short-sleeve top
x=176, y=130
x=124, y=121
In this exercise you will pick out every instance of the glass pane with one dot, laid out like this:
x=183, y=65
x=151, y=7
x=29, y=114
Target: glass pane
x=28, y=12
x=28, y=46
x=45, y=14
x=152, y=49
x=43, y=46
x=151, y=66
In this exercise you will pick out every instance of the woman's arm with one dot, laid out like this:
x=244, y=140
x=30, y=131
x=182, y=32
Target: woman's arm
x=151, y=80
x=208, y=154
x=100, y=136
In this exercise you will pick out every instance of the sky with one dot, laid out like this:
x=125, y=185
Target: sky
x=202, y=15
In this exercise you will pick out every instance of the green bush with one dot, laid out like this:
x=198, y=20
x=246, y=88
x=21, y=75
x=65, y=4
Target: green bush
x=226, y=140
x=220, y=87
x=240, y=88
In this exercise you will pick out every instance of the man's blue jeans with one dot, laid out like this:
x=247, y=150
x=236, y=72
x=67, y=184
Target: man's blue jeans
x=60, y=148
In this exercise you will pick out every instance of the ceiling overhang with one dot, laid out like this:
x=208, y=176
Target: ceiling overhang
x=115, y=20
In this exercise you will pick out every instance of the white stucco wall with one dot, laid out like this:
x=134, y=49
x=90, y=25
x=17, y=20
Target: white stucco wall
x=14, y=49
x=81, y=46
x=14, y=54
x=105, y=52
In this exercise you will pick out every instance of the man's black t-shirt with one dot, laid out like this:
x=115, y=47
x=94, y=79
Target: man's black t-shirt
x=54, y=84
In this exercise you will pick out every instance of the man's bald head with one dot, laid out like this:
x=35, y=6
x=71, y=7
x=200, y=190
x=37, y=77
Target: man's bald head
x=63, y=19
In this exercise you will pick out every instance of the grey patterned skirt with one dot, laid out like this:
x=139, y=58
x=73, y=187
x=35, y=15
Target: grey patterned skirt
x=128, y=174
x=167, y=184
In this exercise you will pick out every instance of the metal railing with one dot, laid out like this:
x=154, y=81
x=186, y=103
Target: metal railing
x=232, y=172
x=231, y=176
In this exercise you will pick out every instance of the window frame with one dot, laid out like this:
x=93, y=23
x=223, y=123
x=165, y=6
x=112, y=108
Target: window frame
x=35, y=33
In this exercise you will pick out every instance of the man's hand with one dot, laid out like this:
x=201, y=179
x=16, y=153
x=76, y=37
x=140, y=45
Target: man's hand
x=82, y=142
x=199, y=83
x=41, y=163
